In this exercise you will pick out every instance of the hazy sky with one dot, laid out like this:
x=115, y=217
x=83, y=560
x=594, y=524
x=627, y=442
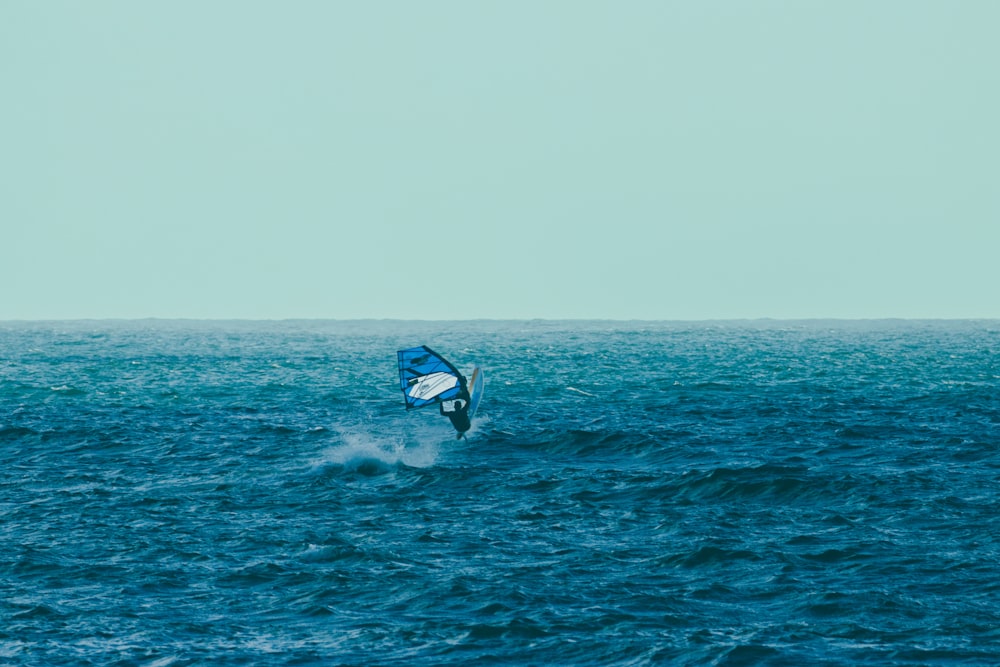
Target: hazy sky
x=499, y=159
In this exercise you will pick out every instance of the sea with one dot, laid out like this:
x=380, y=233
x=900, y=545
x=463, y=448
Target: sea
x=632, y=493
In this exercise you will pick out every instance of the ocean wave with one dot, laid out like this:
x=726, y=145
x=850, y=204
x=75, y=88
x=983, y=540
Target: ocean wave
x=690, y=495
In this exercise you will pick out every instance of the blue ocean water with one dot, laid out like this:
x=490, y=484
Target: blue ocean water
x=236, y=493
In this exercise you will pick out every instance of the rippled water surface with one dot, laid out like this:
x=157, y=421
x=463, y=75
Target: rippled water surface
x=231, y=493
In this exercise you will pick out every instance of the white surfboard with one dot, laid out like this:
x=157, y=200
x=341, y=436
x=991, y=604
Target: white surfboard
x=477, y=384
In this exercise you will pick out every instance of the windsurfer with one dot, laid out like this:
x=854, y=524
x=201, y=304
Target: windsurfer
x=427, y=378
x=457, y=411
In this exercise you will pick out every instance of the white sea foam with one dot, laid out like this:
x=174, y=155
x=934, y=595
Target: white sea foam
x=366, y=451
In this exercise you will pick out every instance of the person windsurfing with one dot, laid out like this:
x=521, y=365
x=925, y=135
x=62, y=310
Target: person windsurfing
x=427, y=378
x=457, y=411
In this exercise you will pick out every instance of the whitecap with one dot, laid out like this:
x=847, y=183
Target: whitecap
x=371, y=453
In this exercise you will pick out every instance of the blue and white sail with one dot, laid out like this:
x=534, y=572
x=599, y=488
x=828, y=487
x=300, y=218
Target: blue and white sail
x=426, y=377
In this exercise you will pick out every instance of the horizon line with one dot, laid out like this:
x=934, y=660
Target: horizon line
x=497, y=319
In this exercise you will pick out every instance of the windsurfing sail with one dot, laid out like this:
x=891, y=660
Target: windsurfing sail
x=426, y=377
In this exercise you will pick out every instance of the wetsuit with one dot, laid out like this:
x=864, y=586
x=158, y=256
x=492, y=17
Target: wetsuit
x=459, y=414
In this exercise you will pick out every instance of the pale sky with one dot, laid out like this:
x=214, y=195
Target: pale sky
x=499, y=159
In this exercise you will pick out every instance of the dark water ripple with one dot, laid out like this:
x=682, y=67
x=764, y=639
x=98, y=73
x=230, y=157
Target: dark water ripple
x=188, y=493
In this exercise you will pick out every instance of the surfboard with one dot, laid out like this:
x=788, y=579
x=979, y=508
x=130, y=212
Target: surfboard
x=477, y=383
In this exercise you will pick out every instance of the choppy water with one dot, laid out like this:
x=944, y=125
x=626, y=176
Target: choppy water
x=775, y=493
